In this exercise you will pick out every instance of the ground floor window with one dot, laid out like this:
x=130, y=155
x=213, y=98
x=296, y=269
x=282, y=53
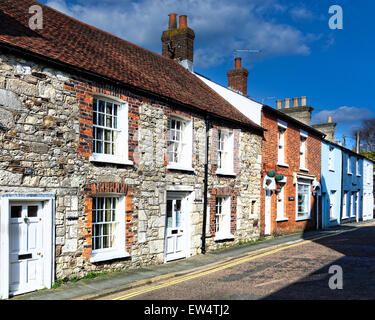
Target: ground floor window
x=303, y=200
x=108, y=228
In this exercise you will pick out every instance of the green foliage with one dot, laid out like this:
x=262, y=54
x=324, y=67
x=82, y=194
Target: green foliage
x=369, y=154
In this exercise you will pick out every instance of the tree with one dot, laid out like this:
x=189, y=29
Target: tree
x=367, y=134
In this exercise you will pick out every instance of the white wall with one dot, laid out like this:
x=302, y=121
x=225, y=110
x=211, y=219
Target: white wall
x=248, y=107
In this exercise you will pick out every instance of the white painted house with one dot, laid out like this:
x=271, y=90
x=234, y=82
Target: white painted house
x=368, y=187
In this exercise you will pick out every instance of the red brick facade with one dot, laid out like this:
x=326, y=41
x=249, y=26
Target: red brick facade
x=292, y=159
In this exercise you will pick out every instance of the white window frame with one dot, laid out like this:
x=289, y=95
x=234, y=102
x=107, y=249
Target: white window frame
x=224, y=232
x=349, y=169
x=308, y=215
x=118, y=251
x=281, y=131
x=226, y=161
x=302, y=151
x=184, y=161
x=331, y=159
x=358, y=174
x=121, y=155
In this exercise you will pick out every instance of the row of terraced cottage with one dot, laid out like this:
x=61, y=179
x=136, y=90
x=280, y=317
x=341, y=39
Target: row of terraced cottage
x=116, y=157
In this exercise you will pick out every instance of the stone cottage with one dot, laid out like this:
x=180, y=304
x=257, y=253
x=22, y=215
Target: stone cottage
x=113, y=156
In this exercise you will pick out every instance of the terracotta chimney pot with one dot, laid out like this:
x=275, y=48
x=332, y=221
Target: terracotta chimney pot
x=183, y=21
x=295, y=102
x=279, y=104
x=172, y=21
x=237, y=63
x=329, y=119
x=287, y=103
x=303, y=101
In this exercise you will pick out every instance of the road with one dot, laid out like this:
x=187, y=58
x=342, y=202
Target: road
x=300, y=271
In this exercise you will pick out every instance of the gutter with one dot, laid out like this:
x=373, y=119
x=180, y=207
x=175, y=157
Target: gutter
x=205, y=192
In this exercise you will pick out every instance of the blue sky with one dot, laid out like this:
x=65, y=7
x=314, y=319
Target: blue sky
x=300, y=54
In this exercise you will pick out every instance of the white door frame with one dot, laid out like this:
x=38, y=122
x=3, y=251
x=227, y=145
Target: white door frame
x=48, y=237
x=267, y=213
x=186, y=198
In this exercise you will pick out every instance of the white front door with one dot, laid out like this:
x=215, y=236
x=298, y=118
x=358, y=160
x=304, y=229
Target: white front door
x=175, y=235
x=25, y=247
x=267, y=217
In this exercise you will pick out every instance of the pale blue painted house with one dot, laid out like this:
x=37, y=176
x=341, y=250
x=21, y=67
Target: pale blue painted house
x=331, y=182
x=352, y=186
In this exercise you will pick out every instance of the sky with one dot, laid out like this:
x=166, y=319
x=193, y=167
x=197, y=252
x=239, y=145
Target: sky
x=300, y=55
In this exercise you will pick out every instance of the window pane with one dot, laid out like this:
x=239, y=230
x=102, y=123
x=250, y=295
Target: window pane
x=16, y=212
x=32, y=211
x=169, y=213
x=101, y=106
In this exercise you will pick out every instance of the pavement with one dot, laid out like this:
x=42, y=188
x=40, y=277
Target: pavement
x=115, y=282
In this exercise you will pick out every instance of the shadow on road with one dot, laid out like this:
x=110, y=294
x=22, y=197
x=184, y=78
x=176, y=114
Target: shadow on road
x=356, y=256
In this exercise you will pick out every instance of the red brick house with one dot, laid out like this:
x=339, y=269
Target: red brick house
x=291, y=167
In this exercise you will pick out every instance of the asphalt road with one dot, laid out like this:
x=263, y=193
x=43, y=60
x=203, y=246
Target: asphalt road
x=297, y=272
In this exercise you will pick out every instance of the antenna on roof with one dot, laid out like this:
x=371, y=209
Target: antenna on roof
x=235, y=51
x=267, y=98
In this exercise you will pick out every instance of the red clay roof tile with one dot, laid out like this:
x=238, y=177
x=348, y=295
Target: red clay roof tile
x=70, y=41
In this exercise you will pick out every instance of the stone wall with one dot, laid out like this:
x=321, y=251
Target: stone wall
x=46, y=143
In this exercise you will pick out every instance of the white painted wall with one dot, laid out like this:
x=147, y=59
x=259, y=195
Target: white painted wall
x=246, y=106
x=368, y=197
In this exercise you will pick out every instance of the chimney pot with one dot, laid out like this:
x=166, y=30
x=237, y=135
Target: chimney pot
x=237, y=63
x=287, y=103
x=172, y=21
x=279, y=104
x=329, y=119
x=295, y=102
x=303, y=101
x=183, y=21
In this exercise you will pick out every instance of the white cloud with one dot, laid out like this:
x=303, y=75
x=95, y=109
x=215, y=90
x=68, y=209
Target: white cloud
x=220, y=25
x=343, y=114
x=302, y=13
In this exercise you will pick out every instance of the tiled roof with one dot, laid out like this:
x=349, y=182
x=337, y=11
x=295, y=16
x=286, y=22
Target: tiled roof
x=67, y=40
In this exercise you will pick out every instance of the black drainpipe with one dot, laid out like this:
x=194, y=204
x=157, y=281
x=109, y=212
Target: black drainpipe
x=205, y=192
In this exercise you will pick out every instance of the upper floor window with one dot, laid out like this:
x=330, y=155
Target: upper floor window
x=282, y=126
x=110, y=131
x=357, y=167
x=330, y=159
x=180, y=144
x=348, y=165
x=225, y=152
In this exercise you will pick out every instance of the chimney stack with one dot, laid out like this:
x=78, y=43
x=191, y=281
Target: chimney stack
x=237, y=78
x=178, y=42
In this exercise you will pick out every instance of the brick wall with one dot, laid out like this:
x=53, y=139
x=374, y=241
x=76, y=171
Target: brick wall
x=292, y=158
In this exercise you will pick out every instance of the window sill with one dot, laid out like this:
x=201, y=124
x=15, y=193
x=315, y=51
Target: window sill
x=109, y=255
x=358, y=175
x=225, y=173
x=332, y=170
x=304, y=169
x=349, y=173
x=110, y=159
x=303, y=218
x=219, y=237
x=176, y=166
x=283, y=165
x=282, y=219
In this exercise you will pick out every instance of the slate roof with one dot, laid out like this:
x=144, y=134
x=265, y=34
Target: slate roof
x=69, y=41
